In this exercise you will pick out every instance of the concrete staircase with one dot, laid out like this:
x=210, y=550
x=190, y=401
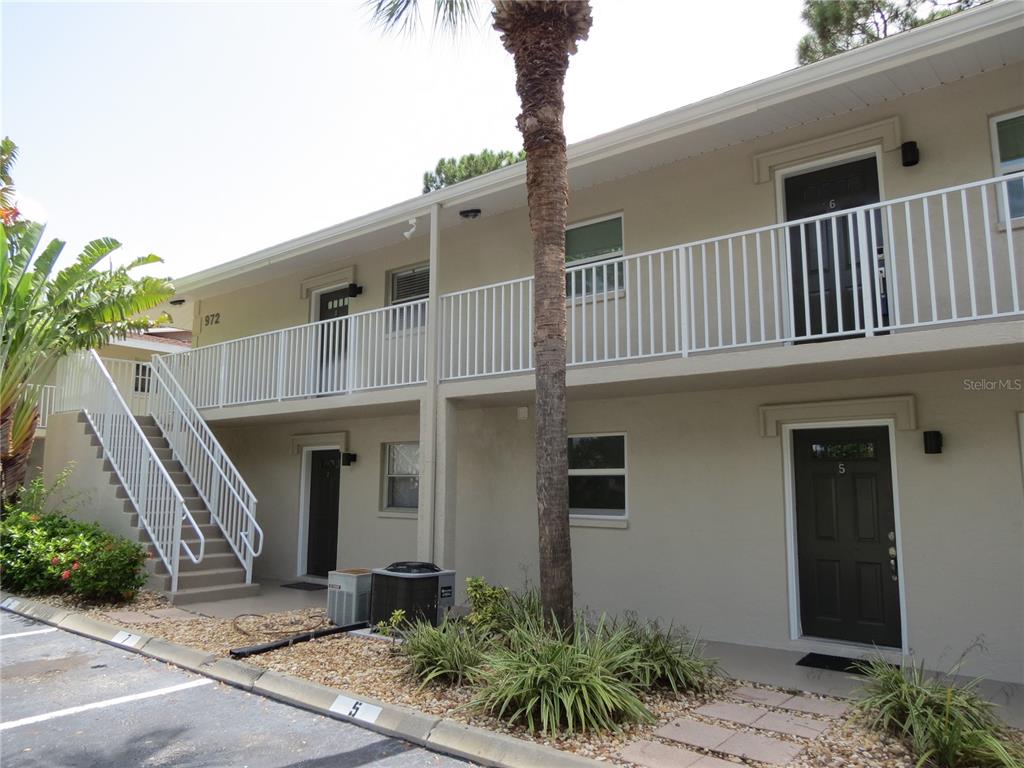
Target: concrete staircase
x=219, y=575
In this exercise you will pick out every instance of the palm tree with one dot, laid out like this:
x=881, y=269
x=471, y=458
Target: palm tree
x=45, y=316
x=540, y=35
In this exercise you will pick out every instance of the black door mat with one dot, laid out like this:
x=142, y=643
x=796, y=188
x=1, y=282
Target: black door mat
x=305, y=586
x=833, y=663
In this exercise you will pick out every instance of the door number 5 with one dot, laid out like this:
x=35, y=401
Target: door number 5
x=842, y=468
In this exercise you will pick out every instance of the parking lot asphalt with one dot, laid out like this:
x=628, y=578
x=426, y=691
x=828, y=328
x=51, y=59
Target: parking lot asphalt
x=66, y=700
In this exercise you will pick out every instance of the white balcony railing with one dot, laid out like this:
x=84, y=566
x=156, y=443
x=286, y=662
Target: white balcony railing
x=941, y=257
x=370, y=350
x=936, y=258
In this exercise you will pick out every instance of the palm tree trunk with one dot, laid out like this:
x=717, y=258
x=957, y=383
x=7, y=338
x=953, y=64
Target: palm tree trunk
x=541, y=35
x=15, y=453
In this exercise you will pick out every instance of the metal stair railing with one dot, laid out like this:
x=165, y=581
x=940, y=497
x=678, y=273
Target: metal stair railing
x=231, y=503
x=157, y=500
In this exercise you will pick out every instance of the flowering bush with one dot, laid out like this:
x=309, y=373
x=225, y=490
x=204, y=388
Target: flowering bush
x=43, y=553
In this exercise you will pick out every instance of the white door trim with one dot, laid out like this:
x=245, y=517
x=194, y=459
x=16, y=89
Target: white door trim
x=792, y=573
x=301, y=561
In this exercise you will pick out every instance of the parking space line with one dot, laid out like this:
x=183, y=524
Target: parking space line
x=30, y=632
x=105, y=703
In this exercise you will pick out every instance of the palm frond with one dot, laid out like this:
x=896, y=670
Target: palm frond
x=403, y=16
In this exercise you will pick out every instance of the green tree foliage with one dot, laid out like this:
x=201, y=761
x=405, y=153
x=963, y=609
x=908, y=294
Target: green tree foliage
x=47, y=313
x=451, y=171
x=842, y=25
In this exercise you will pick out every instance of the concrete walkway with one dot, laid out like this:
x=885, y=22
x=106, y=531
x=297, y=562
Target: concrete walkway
x=754, y=726
x=778, y=668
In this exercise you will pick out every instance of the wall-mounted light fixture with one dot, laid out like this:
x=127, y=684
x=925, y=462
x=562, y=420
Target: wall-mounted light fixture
x=933, y=441
x=176, y=302
x=470, y=213
x=909, y=153
x=354, y=289
x=411, y=230
x=348, y=459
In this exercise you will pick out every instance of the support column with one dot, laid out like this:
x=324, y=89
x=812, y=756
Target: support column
x=428, y=402
x=445, y=472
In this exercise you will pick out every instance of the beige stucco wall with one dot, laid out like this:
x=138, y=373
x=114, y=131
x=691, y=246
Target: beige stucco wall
x=88, y=495
x=367, y=537
x=706, y=542
x=702, y=196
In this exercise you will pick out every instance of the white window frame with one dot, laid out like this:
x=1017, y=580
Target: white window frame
x=394, y=326
x=608, y=521
x=385, y=475
x=1018, y=165
x=597, y=295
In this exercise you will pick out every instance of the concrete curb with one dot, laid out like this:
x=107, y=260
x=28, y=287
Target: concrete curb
x=437, y=734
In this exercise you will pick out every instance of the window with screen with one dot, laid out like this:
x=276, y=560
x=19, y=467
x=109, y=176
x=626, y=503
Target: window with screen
x=1008, y=154
x=597, y=475
x=401, y=476
x=588, y=244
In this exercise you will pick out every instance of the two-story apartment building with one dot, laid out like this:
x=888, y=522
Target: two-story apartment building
x=795, y=347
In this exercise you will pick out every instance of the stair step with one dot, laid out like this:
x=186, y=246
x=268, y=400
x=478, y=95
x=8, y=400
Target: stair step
x=220, y=561
x=213, y=577
x=159, y=443
x=201, y=516
x=151, y=430
x=165, y=454
x=204, y=594
x=146, y=421
x=213, y=546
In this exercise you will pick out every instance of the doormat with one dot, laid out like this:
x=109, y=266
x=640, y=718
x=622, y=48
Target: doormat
x=833, y=663
x=305, y=586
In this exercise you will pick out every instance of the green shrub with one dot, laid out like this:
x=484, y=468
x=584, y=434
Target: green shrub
x=46, y=553
x=486, y=601
x=496, y=609
x=451, y=653
x=944, y=724
x=670, y=659
x=556, y=681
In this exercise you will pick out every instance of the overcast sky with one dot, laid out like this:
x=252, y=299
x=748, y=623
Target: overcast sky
x=202, y=132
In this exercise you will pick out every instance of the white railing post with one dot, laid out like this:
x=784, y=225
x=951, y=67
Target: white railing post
x=683, y=306
x=864, y=261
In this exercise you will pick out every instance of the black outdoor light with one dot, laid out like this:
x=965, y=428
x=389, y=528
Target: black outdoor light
x=932, y=441
x=911, y=155
x=177, y=302
x=348, y=459
x=354, y=289
x=469, y=213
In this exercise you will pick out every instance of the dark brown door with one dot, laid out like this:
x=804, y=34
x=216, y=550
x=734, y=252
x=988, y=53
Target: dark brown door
x=332, y=339
x=830, y=191
x=846, y=535
x=322, y=528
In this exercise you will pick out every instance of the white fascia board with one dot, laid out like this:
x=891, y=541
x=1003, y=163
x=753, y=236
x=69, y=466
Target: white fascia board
x=937, y=37
x=147, y=344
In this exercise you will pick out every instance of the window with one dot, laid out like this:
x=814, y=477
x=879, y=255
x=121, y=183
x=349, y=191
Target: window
x=1008, y=154
x=597, y=475
x=408, y=285
x=591, y=242
x=401, y=475
x=140, y=381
